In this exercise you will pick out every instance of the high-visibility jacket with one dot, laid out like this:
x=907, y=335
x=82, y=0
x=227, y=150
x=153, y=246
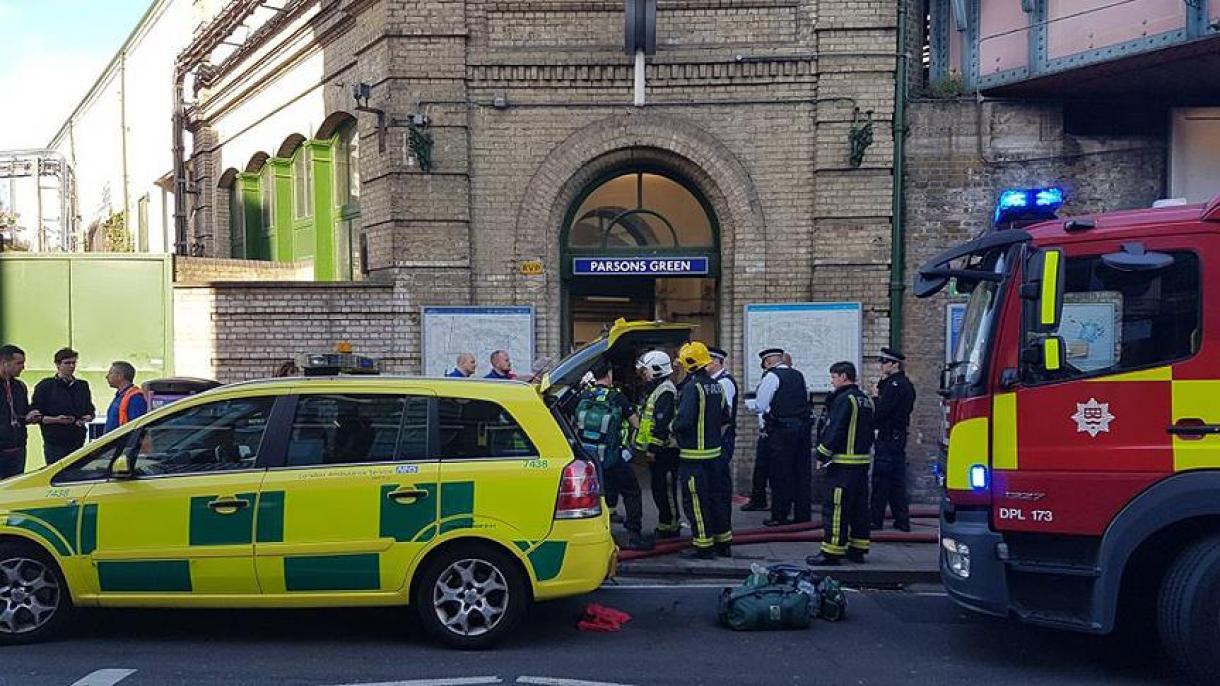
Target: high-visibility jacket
x=699, y=422
x=848, y=436
x=657, y=416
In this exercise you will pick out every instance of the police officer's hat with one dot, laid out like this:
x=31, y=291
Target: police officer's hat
x=768, y=352
x=718, y=353
x=891, y=355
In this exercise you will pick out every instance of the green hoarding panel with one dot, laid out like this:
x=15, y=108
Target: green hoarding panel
x=119, y=312
x=34, y=308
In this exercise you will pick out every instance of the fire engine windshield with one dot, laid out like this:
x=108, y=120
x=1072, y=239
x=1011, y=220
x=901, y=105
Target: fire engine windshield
x=970, y=357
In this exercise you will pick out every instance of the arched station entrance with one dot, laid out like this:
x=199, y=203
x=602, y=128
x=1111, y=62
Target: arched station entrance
x=640, y=242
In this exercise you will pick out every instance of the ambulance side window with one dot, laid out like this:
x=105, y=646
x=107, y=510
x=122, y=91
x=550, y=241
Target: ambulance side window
x=92, y=467
x=472, y=429
x=1119, y=321
x=213, y=437
x=358, y=429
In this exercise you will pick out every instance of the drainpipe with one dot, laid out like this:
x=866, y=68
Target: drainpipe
x=897, y=237
x=123, y=142
x=179, y=166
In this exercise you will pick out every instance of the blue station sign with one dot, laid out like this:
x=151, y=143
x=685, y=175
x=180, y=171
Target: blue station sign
x=639, y=266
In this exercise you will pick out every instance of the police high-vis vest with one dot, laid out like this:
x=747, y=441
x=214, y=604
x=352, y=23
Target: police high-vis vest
x=646, y=437
x=700, y=417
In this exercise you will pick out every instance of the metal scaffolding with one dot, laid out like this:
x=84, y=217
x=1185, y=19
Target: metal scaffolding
x=38, y=190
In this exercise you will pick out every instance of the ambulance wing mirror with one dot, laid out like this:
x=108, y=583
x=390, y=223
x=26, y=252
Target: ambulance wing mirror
x=121, y=467
x=1044, y=275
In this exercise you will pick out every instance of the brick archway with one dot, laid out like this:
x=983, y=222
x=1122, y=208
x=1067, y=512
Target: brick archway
x=637, y=138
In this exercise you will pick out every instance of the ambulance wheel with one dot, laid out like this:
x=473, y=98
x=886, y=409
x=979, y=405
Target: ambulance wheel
x=1188, y=611
x=34, y=598
x=471, y=595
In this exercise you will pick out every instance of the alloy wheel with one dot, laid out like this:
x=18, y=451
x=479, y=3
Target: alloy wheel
x=29, y=595
x=470, y=597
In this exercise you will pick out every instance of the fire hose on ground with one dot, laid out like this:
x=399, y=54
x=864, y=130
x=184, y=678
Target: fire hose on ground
x=803, y=532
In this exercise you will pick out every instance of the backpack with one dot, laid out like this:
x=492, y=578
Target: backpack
x=781, y=597
x=599, y=424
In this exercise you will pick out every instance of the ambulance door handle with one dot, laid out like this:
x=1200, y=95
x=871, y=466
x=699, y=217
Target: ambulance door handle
x=407, y=494
x=228, y=506
x=1193, y=428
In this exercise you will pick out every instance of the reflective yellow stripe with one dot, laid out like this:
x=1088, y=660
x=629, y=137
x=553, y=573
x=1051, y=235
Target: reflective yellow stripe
x=1004, y=432
x=851, y=426
x=858, y=543
x=851, y=459
x=1050, y=287
x=823, y=450
x=700, y=538
x=969, y=441
x=701, y=427
x=1050, y=353
x=694, y=454
x=726, y=537
x=837, y=518
x=831, y=549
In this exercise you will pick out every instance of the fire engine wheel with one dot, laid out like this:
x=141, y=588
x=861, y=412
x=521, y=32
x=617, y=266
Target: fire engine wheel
x=471, y=595
x=34, y=598
x=1188, y=611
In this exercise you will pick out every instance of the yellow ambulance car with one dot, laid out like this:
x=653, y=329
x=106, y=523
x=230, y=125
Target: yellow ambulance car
x=465, y=499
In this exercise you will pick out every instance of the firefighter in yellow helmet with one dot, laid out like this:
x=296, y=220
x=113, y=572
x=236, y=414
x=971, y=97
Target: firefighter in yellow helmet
x=698, y=429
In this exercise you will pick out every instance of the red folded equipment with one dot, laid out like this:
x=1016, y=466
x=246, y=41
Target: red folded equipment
x=603, y=619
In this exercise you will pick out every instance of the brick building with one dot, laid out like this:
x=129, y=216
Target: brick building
x=741, y=152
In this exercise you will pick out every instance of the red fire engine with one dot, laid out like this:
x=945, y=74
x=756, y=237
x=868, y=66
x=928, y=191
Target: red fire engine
x=1082, y=466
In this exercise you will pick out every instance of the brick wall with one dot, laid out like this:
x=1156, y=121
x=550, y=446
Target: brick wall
x=959, y=157
x=204, y=270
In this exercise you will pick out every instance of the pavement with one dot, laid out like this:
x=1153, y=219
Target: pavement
x=889, y=564
x=909, y=637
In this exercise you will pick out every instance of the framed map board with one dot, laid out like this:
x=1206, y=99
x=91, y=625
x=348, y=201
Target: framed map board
x=816, y=335
x=448, y=331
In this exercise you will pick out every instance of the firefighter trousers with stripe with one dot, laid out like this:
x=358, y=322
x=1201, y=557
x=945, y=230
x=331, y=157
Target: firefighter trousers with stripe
x=695, y=478
x=845, y=513
x=722, y=486
x=663, y=472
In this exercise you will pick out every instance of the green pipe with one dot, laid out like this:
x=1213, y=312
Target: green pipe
x=897, y=238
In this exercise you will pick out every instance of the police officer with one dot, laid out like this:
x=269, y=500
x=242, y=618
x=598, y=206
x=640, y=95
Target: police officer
x=783, y=401
x=722, y=476
x=698, y=429
x=894, y=402
x=843, y=450
x=655, y=438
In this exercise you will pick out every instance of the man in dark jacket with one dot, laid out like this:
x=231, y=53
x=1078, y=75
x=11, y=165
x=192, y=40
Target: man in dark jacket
x=894, y=402
x=699, y=431
x=843, y=450
x=15, y=412
x=66, y=406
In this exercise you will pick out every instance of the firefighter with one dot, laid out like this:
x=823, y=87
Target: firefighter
x=894, y=402
x=783, y=401
x=698, y=429
x=722, y=481
x=655, y=438
x=843, y=450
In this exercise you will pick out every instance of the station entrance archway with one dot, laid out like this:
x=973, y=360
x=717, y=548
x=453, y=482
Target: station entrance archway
x=639, y=243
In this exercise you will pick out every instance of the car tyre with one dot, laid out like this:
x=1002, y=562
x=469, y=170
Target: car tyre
x=471, y=595
x=1188, y=611
x=34, y=597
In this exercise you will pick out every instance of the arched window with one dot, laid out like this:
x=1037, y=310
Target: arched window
x=237, y=211
x=641, y=210
x=302, y=183
x=347, y=168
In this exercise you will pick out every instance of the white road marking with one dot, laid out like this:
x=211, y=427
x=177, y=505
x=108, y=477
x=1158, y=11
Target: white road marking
x=549, y=681
x=104, y=677
x=458, y=681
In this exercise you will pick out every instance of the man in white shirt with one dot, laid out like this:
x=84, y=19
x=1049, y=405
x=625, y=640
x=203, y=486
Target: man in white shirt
x=782, y=400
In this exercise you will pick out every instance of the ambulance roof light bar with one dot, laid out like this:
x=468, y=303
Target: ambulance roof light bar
x=342, y=361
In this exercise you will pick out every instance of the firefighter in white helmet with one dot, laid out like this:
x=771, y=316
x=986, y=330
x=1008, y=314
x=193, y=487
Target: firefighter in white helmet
x=655, y=439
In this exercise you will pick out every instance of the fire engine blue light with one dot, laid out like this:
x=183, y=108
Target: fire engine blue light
x=978, y=477
x=1036, y=204
x=1049, y=197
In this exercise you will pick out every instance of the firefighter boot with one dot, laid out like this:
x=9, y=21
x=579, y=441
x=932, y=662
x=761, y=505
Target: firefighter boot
x=822, y=560
x=856, y=556
x=697, y=554
x=723, y=549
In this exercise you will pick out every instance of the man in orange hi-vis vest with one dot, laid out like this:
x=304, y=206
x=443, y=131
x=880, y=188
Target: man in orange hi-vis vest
x=129, y=401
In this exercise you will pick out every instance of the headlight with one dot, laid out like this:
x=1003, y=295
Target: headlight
x=957, y=557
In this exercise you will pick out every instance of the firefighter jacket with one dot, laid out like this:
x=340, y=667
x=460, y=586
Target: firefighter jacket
x=848, y=437
x=657, y=415
x=700, y=418
x=895, y=401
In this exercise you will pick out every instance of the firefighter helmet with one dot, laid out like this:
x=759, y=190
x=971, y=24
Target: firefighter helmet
x=694, y=356
x=657, y=363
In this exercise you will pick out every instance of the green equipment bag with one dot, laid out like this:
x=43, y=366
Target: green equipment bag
x=832, y=602
x=756, y=608
x=599, y=423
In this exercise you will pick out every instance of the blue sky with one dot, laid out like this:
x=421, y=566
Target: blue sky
x=51, y=51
